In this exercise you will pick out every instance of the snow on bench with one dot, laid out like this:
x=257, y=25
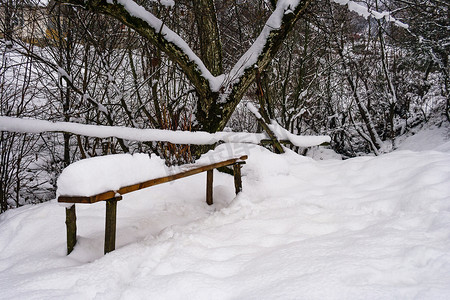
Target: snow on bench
x=107, y=178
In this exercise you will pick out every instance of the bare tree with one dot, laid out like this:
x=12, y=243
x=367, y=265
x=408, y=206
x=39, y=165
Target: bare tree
x=217, y=93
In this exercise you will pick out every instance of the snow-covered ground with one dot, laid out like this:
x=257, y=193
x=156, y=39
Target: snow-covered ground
x=363, y=228
x=430, y=137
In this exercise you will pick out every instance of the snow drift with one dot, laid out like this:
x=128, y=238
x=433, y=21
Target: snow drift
x=364, y=228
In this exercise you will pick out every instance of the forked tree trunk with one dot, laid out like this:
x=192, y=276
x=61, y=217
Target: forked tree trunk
x=214, y=106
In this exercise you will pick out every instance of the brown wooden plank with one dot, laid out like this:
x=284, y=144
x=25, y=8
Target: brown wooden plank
x=76, y=199
x=131, y=188
x=209, y=187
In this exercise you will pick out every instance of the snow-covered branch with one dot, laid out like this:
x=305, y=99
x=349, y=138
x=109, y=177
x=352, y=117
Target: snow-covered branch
x=281, y=133
x=274, y=23
x=148, y=135
x=365, y=12
x=263, y=50
x=154, y=29
x=169, y=36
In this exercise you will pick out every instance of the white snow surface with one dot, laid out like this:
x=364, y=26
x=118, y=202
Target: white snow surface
x=100, y=174
x=428, y=138
x=363, y=228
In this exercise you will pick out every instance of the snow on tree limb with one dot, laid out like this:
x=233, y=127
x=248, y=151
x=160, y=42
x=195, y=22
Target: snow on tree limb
x=253, y=110
x=217, y=95
x=169, y=36
x=283, y=134
x=262, y=51
x=166, y=3
x=177, y=49
x=147, y=135
x=365, y=12
x=153, y=29
x=275, y=21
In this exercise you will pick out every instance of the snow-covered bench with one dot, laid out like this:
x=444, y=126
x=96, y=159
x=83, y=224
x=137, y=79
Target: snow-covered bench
x=107, y=178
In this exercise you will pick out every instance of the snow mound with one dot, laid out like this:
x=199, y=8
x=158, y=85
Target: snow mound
x=363, y=228
x=430, y=138
x=100, y=174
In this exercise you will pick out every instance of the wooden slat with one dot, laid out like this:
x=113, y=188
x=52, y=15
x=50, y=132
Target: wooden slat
x=131, y=188
x=209, y=187
x=76, y=199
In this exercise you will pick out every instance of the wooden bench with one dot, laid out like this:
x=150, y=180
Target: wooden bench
x=111, y=198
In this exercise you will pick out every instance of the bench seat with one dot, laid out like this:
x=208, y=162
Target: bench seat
x=111, y=197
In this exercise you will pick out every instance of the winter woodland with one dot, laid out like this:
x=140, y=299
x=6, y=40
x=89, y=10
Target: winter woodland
x=362, y=73
x=364, y=215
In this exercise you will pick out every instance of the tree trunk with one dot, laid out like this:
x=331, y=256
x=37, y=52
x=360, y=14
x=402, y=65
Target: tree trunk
x=208, y=33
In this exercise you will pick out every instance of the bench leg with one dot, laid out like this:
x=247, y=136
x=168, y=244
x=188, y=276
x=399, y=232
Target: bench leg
x=237, y=178
x=209, y=187
x=110, y=225
x=71, y=227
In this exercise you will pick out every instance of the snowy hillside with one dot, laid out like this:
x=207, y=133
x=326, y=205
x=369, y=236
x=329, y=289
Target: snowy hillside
x=364, y=228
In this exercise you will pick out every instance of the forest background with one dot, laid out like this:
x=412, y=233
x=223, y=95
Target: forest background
x=363, y=81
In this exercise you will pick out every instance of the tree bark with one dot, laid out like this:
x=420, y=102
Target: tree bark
x=208, y=32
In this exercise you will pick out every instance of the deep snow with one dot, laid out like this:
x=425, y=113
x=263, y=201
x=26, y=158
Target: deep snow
x=363, y=228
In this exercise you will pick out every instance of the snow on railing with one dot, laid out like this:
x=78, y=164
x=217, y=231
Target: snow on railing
x=150, y=135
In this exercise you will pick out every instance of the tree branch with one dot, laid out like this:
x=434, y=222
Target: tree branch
x=263, y=50
x=153, y=29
